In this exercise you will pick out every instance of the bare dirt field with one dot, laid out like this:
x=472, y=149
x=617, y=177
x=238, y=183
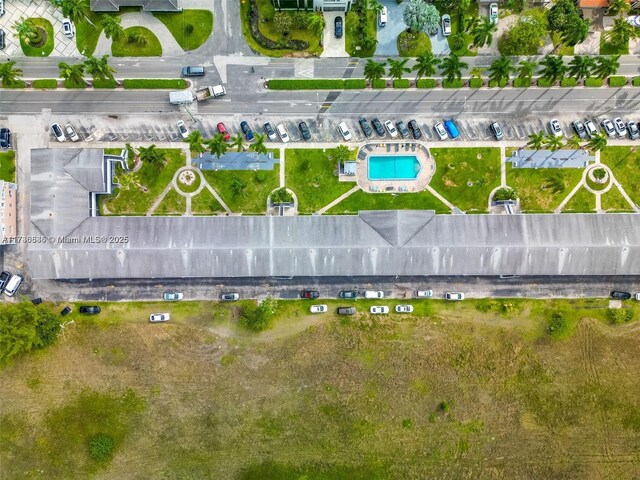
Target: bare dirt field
x=471, y=390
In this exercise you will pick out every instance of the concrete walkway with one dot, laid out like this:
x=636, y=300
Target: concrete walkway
x=282, y=171
x=338, y=200
x=440, y=197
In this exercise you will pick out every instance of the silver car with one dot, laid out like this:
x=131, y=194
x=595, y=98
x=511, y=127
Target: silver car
x=621, y=128
x=440, y=131
x=230, y=297
x=454, y=296
x=172, y=296
x=404, y=308
x=71, y=132
x=554, y=128
x=608, y=127
x=159, y=317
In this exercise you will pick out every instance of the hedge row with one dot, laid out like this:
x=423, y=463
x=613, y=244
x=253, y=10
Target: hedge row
x=401, y=83
x=45, y=83
x=149, y=83
x=476, y=82
x=427, y=83
x=380, y=83
x=317, y=84
x=455, y=83
x=501, y=84
x=617, y=81
x=593, y=82
x=521, y=82
x=568, y=82
x=636, y=82
x=105, y=83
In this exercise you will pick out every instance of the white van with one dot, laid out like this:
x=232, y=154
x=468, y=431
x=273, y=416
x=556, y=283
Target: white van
x=373, y=294
x=282, y=131
x=382, y=17
x=14, y=284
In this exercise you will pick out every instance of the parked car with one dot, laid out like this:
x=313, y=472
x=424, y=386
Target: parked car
x=379, y=310
x=391, y=129
x=337, y=27
x=36, y=301
x=348, y=294
x=638, y=296
x=318, y=309
x=193, y=71
x=621, y=128
x=2, y=44
x=554, y=128
x=377, y=126
x=446, y=25
x=68, y=28
x=159, y=317
x=493, y=13
x=632, y=128
x=452, y=129
x=182, y=129
x=344, y=131
x=282, y=131
x=590, y=127
x=270, y=132
x=172, y=296
x=65, y=311
x=5, y=138
x=90, y=309
x=382, y=17
x=402, y=128
x=415, y=129
x=4, y=278
x=346, y=310
x=71, y=132
x=440, y=131
x=578, y=127
x=374, y=294
x=496, y=131
x=309, y=294
x=404, y=308
x=230, y=297
x=56, y=129
x=608, y=127
x=304, y=131
x=618, y=295
x=13, y=285
x=223, y=130
x=424, y=293
x=364, y=125
x=246, y=130
x=454, y=296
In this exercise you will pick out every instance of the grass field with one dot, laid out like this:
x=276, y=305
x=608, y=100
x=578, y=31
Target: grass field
x=172, y=204
x=205, y=204
x=382, y=201
x=126, y=48
x=542, y=190
x=253, y=197
x=189, y=38
x=625, y=164
x=582, y=202
x=47, y=46
x=613, y=201
x=8, y=166
x=476, y=389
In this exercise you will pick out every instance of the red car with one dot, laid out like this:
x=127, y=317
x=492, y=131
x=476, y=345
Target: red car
x=223, y=131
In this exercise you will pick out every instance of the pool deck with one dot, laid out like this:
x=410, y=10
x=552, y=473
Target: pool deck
x=427, y=167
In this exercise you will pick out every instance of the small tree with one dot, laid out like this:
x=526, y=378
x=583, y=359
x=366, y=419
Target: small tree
x=618, y=7
x=341, y=153
x=420, y=16
x=553, y=143
x=75, y=10
x=73, y=74
x=425, y=65
x=576, y=31
x=151, y=155
x=526, y=69
x=238, y=141
x=258, y=144
x=536, y=140
x=500, y=70
x=101, y=447
x=553, y=68
x=216, y=145
x=621, y=33
x=483, y=32
x=26, y=30
x=8, y=74
x=112, y=27
x=260, y=317
x=598, y=142
x=316, y=23
x=452, y=67
x=238, y=187
x=281, y=196
x=606, y=66
x=581, y=66
x=99, y=68
x=374, y=70
x=397, y=68
x=195, y=141
x=139, y=38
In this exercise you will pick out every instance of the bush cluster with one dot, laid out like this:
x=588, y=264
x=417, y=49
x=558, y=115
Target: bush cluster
x=259, y=317
x=617, y=81
x=264, y=42
x=568, y=82
x=618, y=316
x=426, y=83
x=593, y=82
x=476, y=82
x=401, y=83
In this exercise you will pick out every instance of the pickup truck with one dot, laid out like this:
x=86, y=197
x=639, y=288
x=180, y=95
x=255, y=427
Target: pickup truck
x=205, y=93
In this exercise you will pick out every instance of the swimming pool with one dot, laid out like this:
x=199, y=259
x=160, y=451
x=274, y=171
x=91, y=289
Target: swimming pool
x=393, y=167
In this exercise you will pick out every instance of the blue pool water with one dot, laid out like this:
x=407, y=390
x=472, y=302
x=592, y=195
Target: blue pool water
x=393, y=167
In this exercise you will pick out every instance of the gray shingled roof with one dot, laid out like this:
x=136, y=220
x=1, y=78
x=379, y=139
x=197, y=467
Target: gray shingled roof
x=147, y=5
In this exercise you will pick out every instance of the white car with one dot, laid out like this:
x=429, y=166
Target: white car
x=424, y=293
x=446, y=25
x=182, y=128
x=159, y=317
x=554, y=128
x=404, y=308
x=608, y=127
x=493, y=13
x=56, y=129
x=382, y=310
x=282, y=131
x=590, y=127
x=638, y=296
x=318, y=309
x=634, y=20
x=454, y=296
x=71, y=132
x=621, y=128
x=391, y=128
x=344, y=131
x=440, y=131
x=68, y=29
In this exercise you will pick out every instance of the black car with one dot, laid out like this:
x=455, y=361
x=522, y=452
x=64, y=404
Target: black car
x=4, y=278
x=65, y=311
x=246, y=130
x=364, y=125
x=496, y=131
x=402, y=128
x=271, y=133
x=578, y=127
x=304, y=131
x=36, y=301
x=377, y=126
x=618, y=295
x=338, y=27
x=346, y=310
x=415, y=129
x=309, y=294
x=2, y=45
x=348, y=294
x=5, y=138
x=90, y=309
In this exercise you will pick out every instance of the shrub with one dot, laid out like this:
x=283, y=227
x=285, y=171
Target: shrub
x=401, y=83
x=355, y=83
x=599, y=173
x=188, y=29
x=502, y=84
x=104, y=83
x=558, y=326
x=617, y=81
x=476, y=82
x=16, y=84
x=380, y=83
x=426, y=83
x=101, y=447
x=544, y=82
x=264, y=42
x=260, y=176
x=568, y=82
x=456, y=42
x=593, y=82
x=45, y=83
x=505, y=194
x=259, y=317
x=455, y=83
x=521, y=82
x=280, y=196
x=636, y=82
x=618, y=316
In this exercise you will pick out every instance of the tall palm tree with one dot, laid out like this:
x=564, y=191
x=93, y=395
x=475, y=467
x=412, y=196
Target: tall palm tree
x=536, y=140
x=151, y=155
x=397, y=68
x=75, y=10
x=621, y=32
x=258, y=145
x=72, y=73
x=195, y=140
x=500, y=70
x=238, y=141
x=581, y=66
x=99, y=68
x=574, y=142
x=606, y=66
x=618, y=7
x=597, y=142
x=471, y=23
x=25, y=29
x=376, y=6
x=112, y=27
x=553, y=143
x=553, y=68
x=452, y=67
x=576, y=31
x=483, y=32
x=526, y=69
x=216, y=145
x=8, y=74
x=139, y=38
x=374, y=70
x=316, y=23
x=425, y=65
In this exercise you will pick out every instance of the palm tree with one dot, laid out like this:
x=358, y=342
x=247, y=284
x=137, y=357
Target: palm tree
x=376, y=6
x=476, y=72
x=112, y=27
x=397, y=68
x=216, y=145
x=238, y=141
x=471, y=23
x=581, y=66
x=75, y=10
x=526, y=69
x=139, y=38
x=425, y=65
x=374, y=70
x=553, y=68
x=151, y=155
x=8, y=74
x=195, y=140
x=72, y=73
x=597, y=142
x=606, y=66
x=316, y=23
x=553, y=143
x=258, y=145
x=621, y=33
x=618, y=7
x=574, y=142
x=500, y=70
x=575, y=31
x=238, y=187
x=452, y=68
x=99, y=68
x=26, y=29
x=536, y=140
x=483, y=32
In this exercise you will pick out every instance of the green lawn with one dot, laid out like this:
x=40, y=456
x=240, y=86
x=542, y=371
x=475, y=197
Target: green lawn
x=253, y=199
x=8, y=166
x=542, y=190
x=352, y=38
x=468, y=39
x=205, y=204
x=141, y=188
x=125, y=48
x=172, y=204
x=45, y=83
x=413, y=44
x=385, y=201
x=189, y=38
x=311, y=174
x=582, y=202
x=613, y=201
x=466, y=176
x=46, y=49
x=625, y=164
x=88, y=32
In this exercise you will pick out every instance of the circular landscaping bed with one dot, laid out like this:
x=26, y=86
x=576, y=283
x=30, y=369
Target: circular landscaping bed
x=413, y=44
x=41, y=45
x=137, y=42
x=188, y=181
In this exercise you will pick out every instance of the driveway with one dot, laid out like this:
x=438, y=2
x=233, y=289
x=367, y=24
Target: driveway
x=439, y=44
x=388, y=35
x=333, y=47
